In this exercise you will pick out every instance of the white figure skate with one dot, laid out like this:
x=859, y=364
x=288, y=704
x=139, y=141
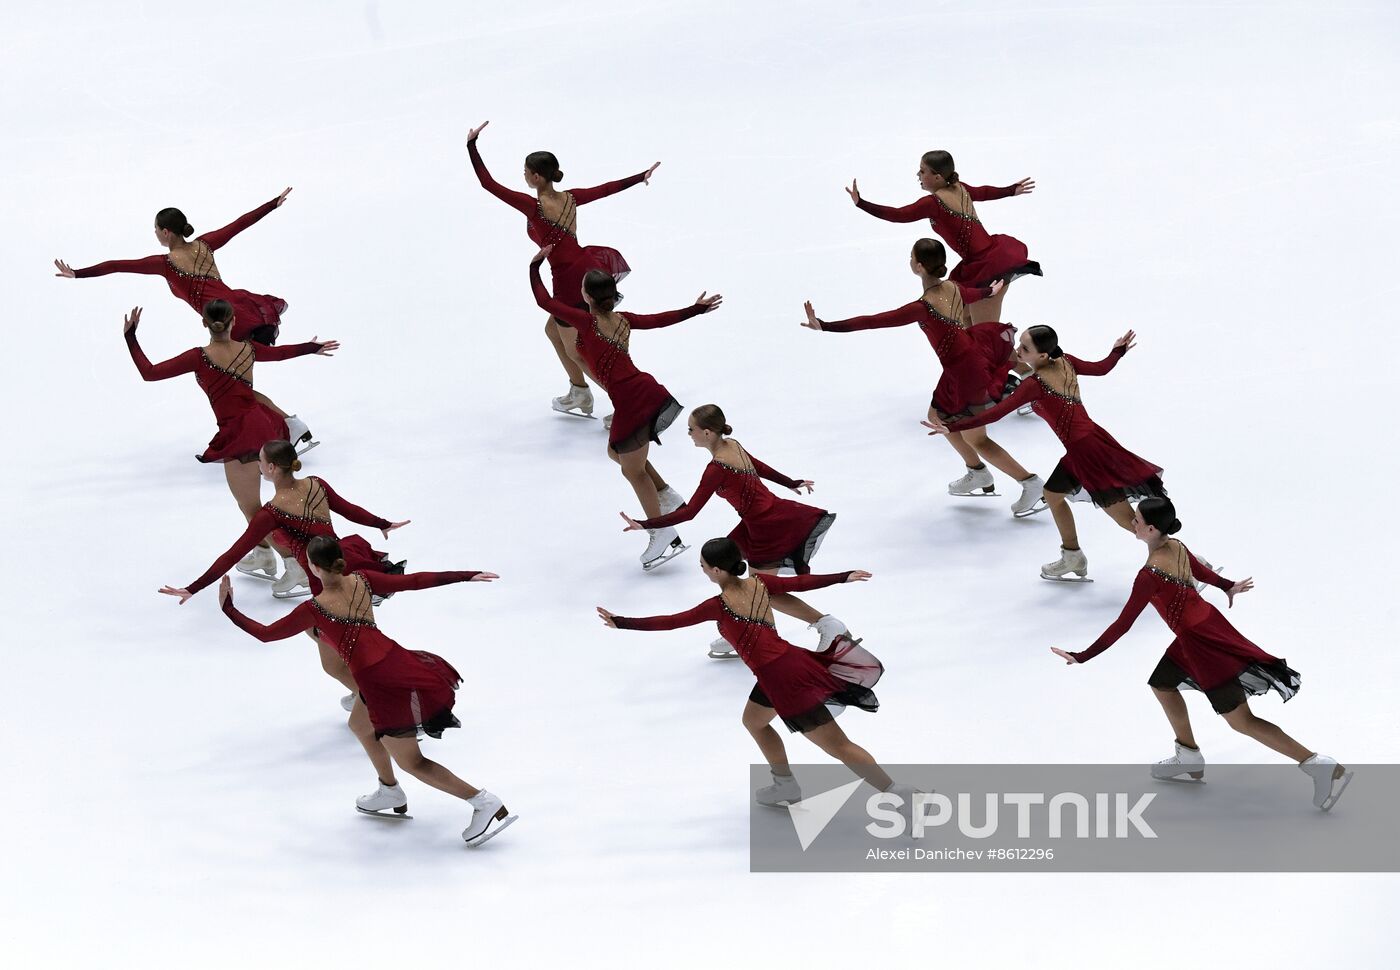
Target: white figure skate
x=722, y=649
x=1032, y=498
x=1329, y=780
x=783, y=792
x=828, y=629
x=300, y=435
x=347, y=703
x=663, y=545
x=293, y=582
x=1070, y=561
x=607, y=421
x=670, y=500
x=488, y=819
x=261, y=563
x=578, y=402
x=1186, y=761
x=977, y=483
x=386, y=802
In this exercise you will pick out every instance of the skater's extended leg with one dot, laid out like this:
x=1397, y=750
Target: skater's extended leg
x=1267, y=733
x=334, y=667
x=408, y=756
x=1122, y=513
x=831, y=739
x=993, y=454
x=1064, y=518
x=364, y=733
x=657, y=481
x=1174, y=706
x=245, y=482
x=634, y=469
x=786, y=603
x=758, y=722
x=265, y=400
x=988, y=310
x=563, y=340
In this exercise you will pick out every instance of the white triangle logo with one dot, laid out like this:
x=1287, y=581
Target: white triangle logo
x=812, y=815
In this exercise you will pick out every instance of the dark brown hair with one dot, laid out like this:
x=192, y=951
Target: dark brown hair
x=601, y=289
x=941, y=163
x=1160, y=513
x=709, y=417
x=545, y=165
x=723, y=553
x=930, y=254
x=173, y=220
x=283, y=454
x=325, y=553
x=218, y=315
x=1045, y=340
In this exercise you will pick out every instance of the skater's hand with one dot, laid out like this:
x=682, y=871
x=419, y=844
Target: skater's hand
x=632, y=524
x=808, y=485
x=1243, y=586
x=646, y=177
x=1025, y=187
x=1128, y=341
x=225, y=590
x=997, y=286
x=327, y=348
x=607, y=618
x=854, y=192
x=130, y=321
x=1064, y=655
x=483, y=578
x=64, y=270
x=812, y=322
x=394, y=525
x=183, y=594
x=708, y=302
x=938, y=427
x=475, y=132
x=858, y=576
x=283, y=197
x=540, y=256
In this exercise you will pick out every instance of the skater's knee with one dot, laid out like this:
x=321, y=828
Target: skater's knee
x=1242, y=719
x=1054, y=498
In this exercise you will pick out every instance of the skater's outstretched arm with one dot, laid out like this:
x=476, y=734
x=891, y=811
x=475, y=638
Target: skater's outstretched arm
x=709, y=481
x=219, y=237
x=1027, y=391
x=585, y=196
x=263, y=352
x=301, y=618
x=898, y=317
x=1137, y=602
x=565, y=314
x=986, y=193
x=708, y=610
x=913, y=212
x=802, y=584
x=1098, y=368
x=655, y=321
x=350, y=510
x=385, y=583
x=520, y=201
x=146, y=266
x=259, y=527
x=1200, y=571
x=166, y=369
x=976, y=294
x=777, y=478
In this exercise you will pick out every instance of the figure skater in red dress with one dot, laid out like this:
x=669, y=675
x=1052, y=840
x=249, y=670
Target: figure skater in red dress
x=1094, y=462
x=223, y=368
x=949, y=209
x=642, y=407
x=773, y=533
x=976, y=362
x=401, y=693
x=1208, y=655
x=801, y=687
x=192, y=275
x=552, y=220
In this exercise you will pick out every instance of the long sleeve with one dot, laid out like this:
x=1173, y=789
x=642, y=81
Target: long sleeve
x=655, y=321
x=350, y=510
x=301, y=618
x=898, y=317
x=1026, y=392
x=973, y=294
x=565, y=314
x=585, y=196
x=986, y=193
x=1096, y=368
x=1200, y=572
x=219, y=237
x=146, y=265
x=166, y=369
x=709, y=481
x=708, y=610
x=262, y=352
x=778, y=478
x=1137, y=602
x=802, y=584
x=383, y=584
x=519, y=201
x=913, y=212
x=259, y=526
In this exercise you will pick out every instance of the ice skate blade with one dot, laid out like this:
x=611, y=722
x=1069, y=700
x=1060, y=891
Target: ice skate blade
x=1066, y=579
x=393, y=815
x=293, y=594
x=731, y=655
x=573, y=414
x=671, y=553
x=785, y=804
x=1025, y=410
x=1183, y=777
x=975, y=494
x=495, y=829
x=1035, y=509
x=304, y=448
x=255, y=574
x=1340, y=786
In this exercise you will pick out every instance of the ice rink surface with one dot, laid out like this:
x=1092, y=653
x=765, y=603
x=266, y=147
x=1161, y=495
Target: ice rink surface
x=1216, y=176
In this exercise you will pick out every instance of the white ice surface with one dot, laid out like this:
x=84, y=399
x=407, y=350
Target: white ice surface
x=1217, y=176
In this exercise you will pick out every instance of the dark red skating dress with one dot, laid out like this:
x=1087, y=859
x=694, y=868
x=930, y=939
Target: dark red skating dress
x=975, y=359
x=800, y=685
x=642, y=408
x=1208, y=653
x=568, y=261
x=256, y=315
x=984, y=257
x=407, y=692
x=772, y=531
x=1109, y=472
x=296, y=530
x=245, y=424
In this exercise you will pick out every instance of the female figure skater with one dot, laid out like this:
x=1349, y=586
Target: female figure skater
x=552, y=220
x=402, y=693
x=642, y=407
x=223, y=368
x=949, y=209
x=773, y=533
x=1093, y=461
x=976, y=361
x=192, y=275
x=1208, y=655
x=797, y=685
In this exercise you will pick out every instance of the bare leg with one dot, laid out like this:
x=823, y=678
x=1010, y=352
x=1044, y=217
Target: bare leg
x=655, y=477
x=1122, y=513
x=988, y=310
x=789, y=604
x=994, y=454
x=1064, y=519
x=1174, y=706
x=364, y=733
x=1267, y=733
x=335, y=668
x=634, y=469
x=566, y=350
x=757, y=721
x=409, y=757
x=965, y=451
x=831, y=739
x=264, y=399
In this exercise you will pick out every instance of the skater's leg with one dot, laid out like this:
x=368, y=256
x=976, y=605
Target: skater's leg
x=1267, y=733
x=409, y=757
x=960, y=444
x=364, y=733
x=831, y=739
x=1064, y=518
x=758, y=722
x=564, y=341
x=1122, y=513
x=655, y=476
x=634, y=469
x=335, y=668
x=994, y=454
x=988, y=310
x=1174, y=706
x=267, y=401
x=245, y=482
x=789, y=604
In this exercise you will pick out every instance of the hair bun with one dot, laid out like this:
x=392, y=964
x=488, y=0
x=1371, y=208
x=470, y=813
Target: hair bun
x=740, y=568
x=296, y=464
x=728, y=429
x=1174, y=528
x=1057, y=353
x=187, y=230
x=558, y=176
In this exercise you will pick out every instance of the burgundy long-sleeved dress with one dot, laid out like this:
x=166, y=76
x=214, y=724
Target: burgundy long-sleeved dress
x=256, y=316
x=800, y=685
x=772, y=531
x=983, y=257
x=642, y=408
x=245, y=424
x=407, y=692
